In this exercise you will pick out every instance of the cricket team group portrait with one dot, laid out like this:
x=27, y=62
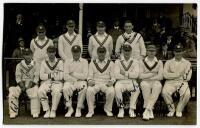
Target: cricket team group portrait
x=90, y=63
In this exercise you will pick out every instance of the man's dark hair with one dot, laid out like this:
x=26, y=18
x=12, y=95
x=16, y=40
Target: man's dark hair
x=127, y=21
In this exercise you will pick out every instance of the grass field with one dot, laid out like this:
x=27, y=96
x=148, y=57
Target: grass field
x=189, y=118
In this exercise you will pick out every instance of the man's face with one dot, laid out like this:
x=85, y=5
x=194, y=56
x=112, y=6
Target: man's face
x=19, y=18
x=21, y=43
x=41, y=34
x=127, y=54
x=151, y=53
x=116, y=23
x=128, y=27
x=178, y=54
x=76, y=56
x=28, y=58
x=101, y=30
x=51, y=55
x=101, y=55
x=70, y=28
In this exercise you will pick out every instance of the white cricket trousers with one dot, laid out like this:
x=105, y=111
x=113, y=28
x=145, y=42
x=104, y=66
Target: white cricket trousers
x=70, y=87
x=55, y=87
x=150, y=92
x=91, y=92
x=126, y=85
x=172, y=86
x=14, y=93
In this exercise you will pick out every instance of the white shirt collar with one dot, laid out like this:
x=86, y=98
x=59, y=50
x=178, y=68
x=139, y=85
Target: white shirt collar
x=67, y=34
x=104, y=61
x=97, y=34
x=21, y=48
x=179, y=61
x=123, y=59
x=45, y=38
x=128, y=34
x=116, y=27
x=27, y=66
x=147, y=60
x=72, y=60
x=19, y=22
x=24, y=64
x=55, y=60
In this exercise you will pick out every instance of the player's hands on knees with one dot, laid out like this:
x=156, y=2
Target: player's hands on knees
x=91, y=83
x=110, y=83
x=22, y=86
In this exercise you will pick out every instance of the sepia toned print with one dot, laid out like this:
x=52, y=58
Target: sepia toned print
x=81, y=63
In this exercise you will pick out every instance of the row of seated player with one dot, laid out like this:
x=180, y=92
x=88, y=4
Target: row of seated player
x=101, y=76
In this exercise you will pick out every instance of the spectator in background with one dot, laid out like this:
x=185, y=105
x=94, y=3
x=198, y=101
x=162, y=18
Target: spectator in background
x=161, y=42
x=179, y=34
x=155, y=32
x=190, y=49
x=115, y=32
x=55, y=43
x=89, y=32
x=18, y=52
x=15, y=31
x=144, y=33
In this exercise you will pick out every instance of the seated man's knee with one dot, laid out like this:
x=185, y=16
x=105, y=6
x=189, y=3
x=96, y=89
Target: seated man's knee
x=164, y=92
x=90, y=90
x=84, y=88
x=56, y=91
x=65, y=88
x=41, y=92
x=14, y=92
x=117, y=87
x=158, y=85
x=188, y=94
x=144, y=83
x=12, y=89
x=111, y=91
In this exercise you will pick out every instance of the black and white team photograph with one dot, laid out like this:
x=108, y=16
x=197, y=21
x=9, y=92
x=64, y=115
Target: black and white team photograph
x=99, y=64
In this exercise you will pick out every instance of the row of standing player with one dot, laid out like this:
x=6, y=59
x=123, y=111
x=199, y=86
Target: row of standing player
x=102, y=74
x=101, y=38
